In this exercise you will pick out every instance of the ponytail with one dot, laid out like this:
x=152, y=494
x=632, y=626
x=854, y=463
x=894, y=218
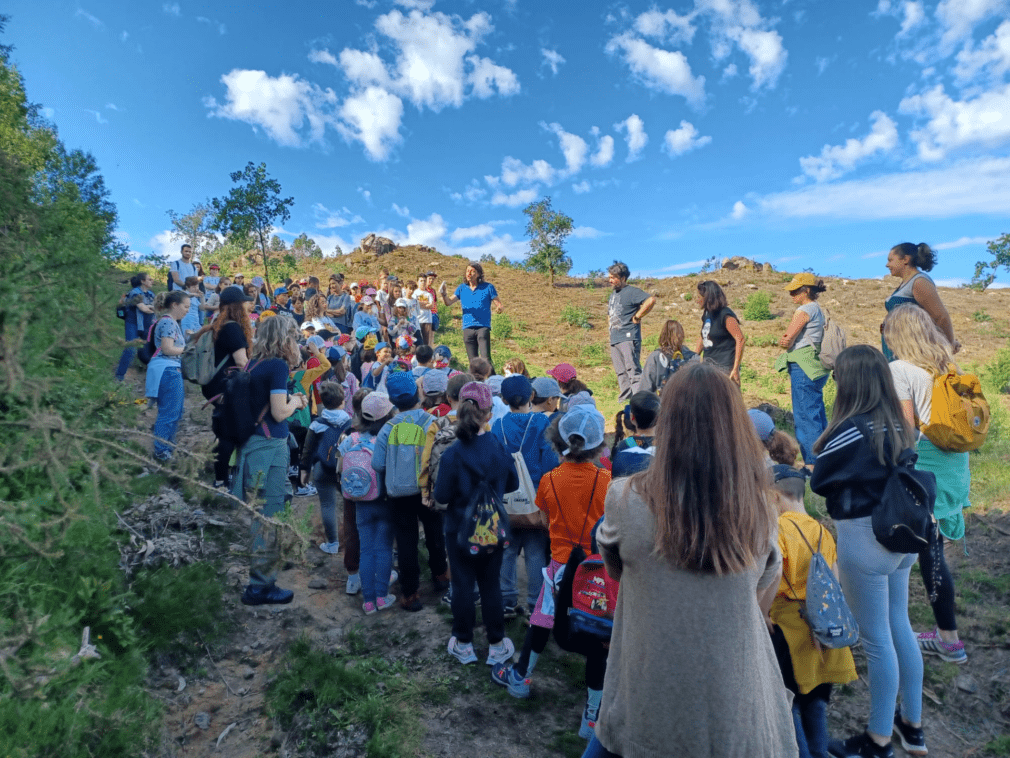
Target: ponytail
x=470, y=420
x=921, y=256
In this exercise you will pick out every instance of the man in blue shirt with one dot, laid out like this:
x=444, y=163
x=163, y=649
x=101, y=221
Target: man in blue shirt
x=477, y=297
x=180, y=269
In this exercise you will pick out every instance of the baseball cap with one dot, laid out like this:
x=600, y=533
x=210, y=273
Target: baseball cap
x=371, y=341
x=516, y=387
x=581, y=398
x=239, y=275
x=444, y=351
x=763, y=424
x=343, y=339
x=401, y=302
x=370, y=291
x=213, y=266
x=316, y=340
x=805, y=279
x=258, y=281
x=280, y=291
x=361, y=332
x=545, y=387
x=404, y=342
x=781, y=471
x=495, y=382
x=367, y=300
x=563, y=372
x=234, y=295
x=477, y=393
x=375, y=406
x=585, y=421
x=434, y=382
x=335, y=354
x=401, y=385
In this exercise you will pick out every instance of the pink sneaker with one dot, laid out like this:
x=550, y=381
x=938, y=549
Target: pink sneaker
x=369, y=608
x=383, y=603
x=932, y=644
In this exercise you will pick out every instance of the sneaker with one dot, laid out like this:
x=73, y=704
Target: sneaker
x=411, y=603
x=293, y=471
x=500, y=652
x=393, y=576
x=505, y=675
x=447, y=598
x=912, y=738
x=588, y=727
x=512, y=610
x=383, y=603
x=353, y=584
x=266, y=594
x=222, y=485
x=163, y=457
x=307, y=491
x=369, y=608
x=859, y=746
x=462, y=651
x=931, y=643
x=330, y=547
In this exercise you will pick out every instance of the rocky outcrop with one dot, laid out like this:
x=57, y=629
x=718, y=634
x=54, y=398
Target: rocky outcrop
x=377, y=245
x=739, y=262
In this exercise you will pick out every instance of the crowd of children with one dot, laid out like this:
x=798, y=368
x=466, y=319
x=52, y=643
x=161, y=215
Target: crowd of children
x=356, y=403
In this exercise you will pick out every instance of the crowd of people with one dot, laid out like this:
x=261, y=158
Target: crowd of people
x=696, y=505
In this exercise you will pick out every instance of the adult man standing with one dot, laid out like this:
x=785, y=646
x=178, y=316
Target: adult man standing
x=627, y=307
x=180, y=269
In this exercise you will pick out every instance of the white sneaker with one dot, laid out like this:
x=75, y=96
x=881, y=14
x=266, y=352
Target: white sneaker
x=330, y=547
x=383, y=603
x=500, y=652
x=462, y=652
x=307, y=491
x=353, y=584
x=393, y=576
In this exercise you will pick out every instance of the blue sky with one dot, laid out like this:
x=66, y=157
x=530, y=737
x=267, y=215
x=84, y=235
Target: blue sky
x=808, y=134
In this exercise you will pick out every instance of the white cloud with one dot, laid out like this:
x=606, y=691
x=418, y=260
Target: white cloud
x=960, y=242
x=589, y=233
x=93, y=20
x=423, y=5
x=172, y=9
x=164, y=245
x=668, y=269
x=573, y=147
x=951, y=124
x=323, y=56
x=496, y=247
x=98, y=116
x=472, y=232
x=604, y=151
x=112, y=107
x=635, y=136
x=514, y=171
x=914, y=15
x=976, y=186
x=663, y=70
x=365, y=194
x=553, y=59
x=401, y=210
x=582, y=187
x=822, y=64
x=683, y=139
x=958, y=18
x=372, y=117
x=279, y=105
x=522, y=197
x=327, y=219
x=428, y=231
x=991, y=59
x=665, y=26
x=739, y=210
x=221, y=29
x=739, y=23
x=487, y=77
x=836, y=160
x=124, y=36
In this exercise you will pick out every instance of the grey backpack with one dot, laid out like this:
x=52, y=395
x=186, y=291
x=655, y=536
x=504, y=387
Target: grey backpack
x=832, y=343
x=825, y=611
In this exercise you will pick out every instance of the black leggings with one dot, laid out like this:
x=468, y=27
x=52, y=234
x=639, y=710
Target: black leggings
x=477, y=341
x=937, y=577
x=225, y=448
x=535, y=642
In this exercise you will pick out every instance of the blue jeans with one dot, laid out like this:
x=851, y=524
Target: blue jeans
x=170, y=399
x=129, y=351
x=326, y=485
x=534, y=544
x=595, y=749
x=375, y=532
x=875, y=582
x=808, y=410
x=262, y=471
x=810, y=718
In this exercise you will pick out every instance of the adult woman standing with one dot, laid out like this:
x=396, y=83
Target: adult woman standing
x=922, y=354
x=477, y=298
x=139, y=303
x=807, y=375
x=263, y=459
x=721, y=341
x=164, y=372
x=664, y=361
x=340, y=306
x=909, y=263
x=696, y=527
x=854, y=458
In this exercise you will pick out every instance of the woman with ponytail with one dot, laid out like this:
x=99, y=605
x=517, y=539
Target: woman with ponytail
x=908, y=263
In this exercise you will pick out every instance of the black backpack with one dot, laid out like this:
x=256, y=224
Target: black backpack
x=326, y=449
x=485, y=525
x=238, y=419
x=148, y=349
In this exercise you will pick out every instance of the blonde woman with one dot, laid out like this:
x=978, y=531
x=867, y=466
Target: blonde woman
x=922, y=353
x=263, y=459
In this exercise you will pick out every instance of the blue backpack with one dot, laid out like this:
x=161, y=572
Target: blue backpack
x=327, y=452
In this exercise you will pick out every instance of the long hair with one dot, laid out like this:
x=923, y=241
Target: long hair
x=315, y=307
x=921, y=256
x=865, y=387
x=671, y=338
x=706, y=490
x=470, y=420
x=479, y=269
x=914, y=337
x=712, y=296
x=277, y=338
x=234, y=312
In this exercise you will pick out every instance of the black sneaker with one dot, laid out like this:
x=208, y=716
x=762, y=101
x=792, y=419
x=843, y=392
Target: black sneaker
x=859, y=746
x=266, y=594
x=912, y=738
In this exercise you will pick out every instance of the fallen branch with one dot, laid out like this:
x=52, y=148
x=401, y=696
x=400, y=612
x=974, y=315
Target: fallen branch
x=214, y=664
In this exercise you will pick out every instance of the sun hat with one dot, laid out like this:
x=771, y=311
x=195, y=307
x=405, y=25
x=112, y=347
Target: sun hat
x=477, y=393
x=362, y=331
x=495, y=382
x=763, y=424
x=516, y=387
x=370, y=342
x=585, y=421
x=805, y=279
x=434, y=382
x=581, y=398
x=234, y=295
x=401, y=302
x=563, y=372
x=401, y=386
x=375, y=406
x=545, y=387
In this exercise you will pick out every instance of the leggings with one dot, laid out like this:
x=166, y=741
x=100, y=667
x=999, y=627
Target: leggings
x=225, y=448
x=477, y=341
x=535, y=642
x=937, y=578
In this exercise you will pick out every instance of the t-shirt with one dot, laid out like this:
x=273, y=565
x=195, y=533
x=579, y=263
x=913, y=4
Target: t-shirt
x=623, y=305
x=424, y=299
x=812, y=332
x=229, y=339
x=193, y=319
x=476, y=304
x=717, y=343
x=573, y=484
x=915, y=384
x=345, y=301
x=169, y=327
x=210, y=282
x=135, y=297
x=268, y=377
x=184, y=269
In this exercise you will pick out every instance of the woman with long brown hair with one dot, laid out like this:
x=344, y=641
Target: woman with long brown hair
x=691, y=669
x=664, y=361
x=721, y=341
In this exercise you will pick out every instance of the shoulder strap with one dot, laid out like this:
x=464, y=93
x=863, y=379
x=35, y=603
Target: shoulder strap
x=561, y=511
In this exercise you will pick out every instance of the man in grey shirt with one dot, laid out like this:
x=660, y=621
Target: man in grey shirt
x=180, y=269
x=627, y=307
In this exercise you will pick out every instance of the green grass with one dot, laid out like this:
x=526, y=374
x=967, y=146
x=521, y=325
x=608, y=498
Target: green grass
x=756, y=307
x=594, y=354
x=998, y=747
x=575, y=315
x=501, y=326
x=981, y=316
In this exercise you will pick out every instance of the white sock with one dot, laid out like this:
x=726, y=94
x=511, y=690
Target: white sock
x=533, y=663
x=593, y=699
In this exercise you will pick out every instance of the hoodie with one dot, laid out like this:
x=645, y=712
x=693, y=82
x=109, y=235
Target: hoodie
x=537, y=451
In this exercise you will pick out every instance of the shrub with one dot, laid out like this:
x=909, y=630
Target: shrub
x=575, y=315
x=981, y=316
x=501, y=326
x=756, y=307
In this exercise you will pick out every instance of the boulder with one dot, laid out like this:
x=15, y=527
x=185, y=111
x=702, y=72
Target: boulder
x=739, y=262
x=767, y=268
x=377, y=245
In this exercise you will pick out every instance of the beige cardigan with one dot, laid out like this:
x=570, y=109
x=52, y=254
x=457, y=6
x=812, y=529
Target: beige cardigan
x=691, y=672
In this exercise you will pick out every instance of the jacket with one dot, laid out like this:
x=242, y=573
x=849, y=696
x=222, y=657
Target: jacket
x=537, y=451
x=464, y=464
x=848, y=474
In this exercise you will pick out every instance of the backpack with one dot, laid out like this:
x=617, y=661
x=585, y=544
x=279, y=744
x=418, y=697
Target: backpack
x=959, y=419
x=443, y=433
x=198, y=360
x=832, y=343
x=358, y=480
x=327, y=452
x=170, y=285
x=122, y=309
x=403, y=458
x=825, y=610
x=674, y=363
x=148, y=350
x=520, y=504
x=238, y=420
x=485, y=525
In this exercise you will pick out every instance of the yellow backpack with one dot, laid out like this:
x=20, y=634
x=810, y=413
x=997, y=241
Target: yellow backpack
x=959, y=420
